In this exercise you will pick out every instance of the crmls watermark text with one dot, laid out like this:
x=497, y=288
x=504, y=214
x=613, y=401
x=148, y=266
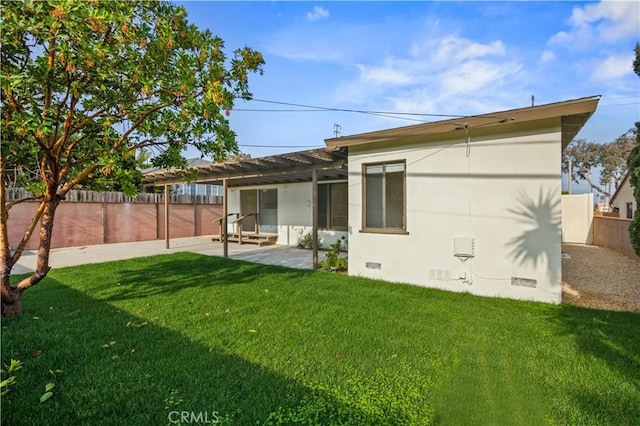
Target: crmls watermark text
x=191, y=417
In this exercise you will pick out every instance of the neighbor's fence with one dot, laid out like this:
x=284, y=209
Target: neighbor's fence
x=577, y=218
x=87, y=218
x=613, y=233
x=82, y=196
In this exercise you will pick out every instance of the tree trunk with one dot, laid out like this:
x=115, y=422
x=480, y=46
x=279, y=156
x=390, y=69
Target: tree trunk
x=13, y=306
x=12, y=296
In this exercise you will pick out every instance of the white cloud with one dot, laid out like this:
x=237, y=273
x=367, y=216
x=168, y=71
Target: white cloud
x=603, y=22
x=441, y=74
x=473, y=76
x=389, y=74
x=613, y=67
x=547, y=56
x=317, y=14
x=454, y=49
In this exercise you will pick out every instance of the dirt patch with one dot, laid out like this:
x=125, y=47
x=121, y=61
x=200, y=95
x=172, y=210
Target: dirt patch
x=600, y=278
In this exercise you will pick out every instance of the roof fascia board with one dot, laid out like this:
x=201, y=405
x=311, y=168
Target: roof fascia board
x=584, y=106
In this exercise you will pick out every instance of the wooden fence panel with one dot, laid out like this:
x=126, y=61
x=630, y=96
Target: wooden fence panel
x=81, y=196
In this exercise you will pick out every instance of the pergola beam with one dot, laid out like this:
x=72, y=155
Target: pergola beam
x=287, y=168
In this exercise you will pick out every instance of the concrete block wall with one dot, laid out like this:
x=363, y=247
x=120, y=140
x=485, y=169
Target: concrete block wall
x=613, y=233
x=89, y=223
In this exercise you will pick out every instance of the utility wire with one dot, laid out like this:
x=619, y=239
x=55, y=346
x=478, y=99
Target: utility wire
x=313, y=107
x=388, y=114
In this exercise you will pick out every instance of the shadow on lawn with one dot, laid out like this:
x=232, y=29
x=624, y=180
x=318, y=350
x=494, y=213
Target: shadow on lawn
x=165, y=274
x=612, y=337
x=114, y=373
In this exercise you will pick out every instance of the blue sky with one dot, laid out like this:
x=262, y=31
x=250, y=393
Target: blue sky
x=456, y=58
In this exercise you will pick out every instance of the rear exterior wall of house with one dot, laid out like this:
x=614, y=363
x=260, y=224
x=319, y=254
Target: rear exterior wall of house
x=494, y=197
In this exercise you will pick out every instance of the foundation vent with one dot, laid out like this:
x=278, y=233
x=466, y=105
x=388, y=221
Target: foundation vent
x=440, y=274
x=373, y=265
x=524, y=282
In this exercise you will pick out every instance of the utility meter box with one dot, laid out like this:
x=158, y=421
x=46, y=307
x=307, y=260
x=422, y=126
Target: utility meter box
x=464, y=247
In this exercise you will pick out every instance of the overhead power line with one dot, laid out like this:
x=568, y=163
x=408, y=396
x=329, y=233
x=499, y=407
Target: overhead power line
x=391, y=114
x=400, y=115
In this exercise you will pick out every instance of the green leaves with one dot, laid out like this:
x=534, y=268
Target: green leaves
x=610, y=158
x=87, y=85
x=9, y=372
x=83, y=80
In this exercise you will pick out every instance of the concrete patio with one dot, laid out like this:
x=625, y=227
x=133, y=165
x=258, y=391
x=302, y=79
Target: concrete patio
x=290, y=257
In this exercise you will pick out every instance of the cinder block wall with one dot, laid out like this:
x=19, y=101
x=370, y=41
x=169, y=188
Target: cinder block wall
x=613, y=233
x=89, y=223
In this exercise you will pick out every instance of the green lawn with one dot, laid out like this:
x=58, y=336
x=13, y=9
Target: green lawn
x=139, y=342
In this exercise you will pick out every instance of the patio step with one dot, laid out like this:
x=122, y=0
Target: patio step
x=259, y=239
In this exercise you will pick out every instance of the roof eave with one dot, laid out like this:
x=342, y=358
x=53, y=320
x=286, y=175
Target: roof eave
x=574, y=114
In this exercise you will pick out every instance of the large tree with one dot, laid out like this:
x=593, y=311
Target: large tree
x=85, y=85
x=609, y=160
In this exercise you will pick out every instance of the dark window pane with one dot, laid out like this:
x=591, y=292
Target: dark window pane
x=394, y=199
x=339, y=206
x=374, y=197
x=323, y=198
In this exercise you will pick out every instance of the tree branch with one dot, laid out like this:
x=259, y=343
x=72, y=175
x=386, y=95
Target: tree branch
x=84, y=122
x=135, y=125
x=77, y=179
x=50, y=63
x=60, y=107
x=27, y=235
x=587, y=177
x=4, y=219
x=67, y=125
x=34, y=279
x=22, y=200
x=68, y=157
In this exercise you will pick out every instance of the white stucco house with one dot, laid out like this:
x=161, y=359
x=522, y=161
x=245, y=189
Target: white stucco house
x=470, y=204
x=623, y=199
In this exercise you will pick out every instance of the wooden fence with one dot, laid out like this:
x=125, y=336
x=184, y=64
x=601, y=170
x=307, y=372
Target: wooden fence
x=82, y=196
x=87, y=218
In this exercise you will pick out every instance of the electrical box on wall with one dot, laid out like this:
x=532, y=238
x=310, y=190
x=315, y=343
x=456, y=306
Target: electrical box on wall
x=464, y=247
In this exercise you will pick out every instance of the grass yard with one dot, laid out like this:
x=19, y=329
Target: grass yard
x=148, y=341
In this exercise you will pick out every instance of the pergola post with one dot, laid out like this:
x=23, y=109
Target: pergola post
x=314, y=204
x=166, y=216
x=225, y=207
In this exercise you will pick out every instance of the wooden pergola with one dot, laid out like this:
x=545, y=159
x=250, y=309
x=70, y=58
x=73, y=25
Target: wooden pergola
x=314, y=166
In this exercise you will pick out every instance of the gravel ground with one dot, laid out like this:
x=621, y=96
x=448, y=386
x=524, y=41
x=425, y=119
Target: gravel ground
x=598, y=277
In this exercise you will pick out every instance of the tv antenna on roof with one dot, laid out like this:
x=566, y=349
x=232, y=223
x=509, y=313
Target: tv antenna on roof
x=336, y=130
